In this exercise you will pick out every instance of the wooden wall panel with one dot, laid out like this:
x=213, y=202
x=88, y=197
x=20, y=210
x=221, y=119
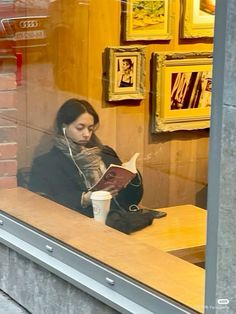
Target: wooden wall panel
x=104, y=31
x=69, y=45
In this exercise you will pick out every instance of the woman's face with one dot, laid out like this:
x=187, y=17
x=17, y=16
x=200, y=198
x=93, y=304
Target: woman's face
x=125, y=65
x=81, y=130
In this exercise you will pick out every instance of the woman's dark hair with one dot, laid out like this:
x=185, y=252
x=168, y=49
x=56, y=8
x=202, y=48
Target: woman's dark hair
x=128, y=61
x=71, y=110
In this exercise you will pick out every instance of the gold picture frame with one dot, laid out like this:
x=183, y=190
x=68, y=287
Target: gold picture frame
x=147, y=20
x=125, y=73
x=197, y=18
x=181, y=91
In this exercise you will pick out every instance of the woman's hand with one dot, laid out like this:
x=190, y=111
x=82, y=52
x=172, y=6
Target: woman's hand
x=112, y=189
x=86, y=199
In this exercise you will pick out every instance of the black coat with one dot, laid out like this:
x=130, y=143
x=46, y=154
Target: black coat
x=55, y=176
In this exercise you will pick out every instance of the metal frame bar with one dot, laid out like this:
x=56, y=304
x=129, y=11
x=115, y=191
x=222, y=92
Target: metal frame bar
x=214, y=175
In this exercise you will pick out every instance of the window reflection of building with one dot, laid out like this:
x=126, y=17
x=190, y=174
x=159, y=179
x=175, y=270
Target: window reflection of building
x=32, y=3
x=23, y=23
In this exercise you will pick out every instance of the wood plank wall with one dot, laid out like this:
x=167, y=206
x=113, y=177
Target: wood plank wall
x=174, y=165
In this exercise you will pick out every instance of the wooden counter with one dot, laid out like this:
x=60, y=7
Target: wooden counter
x=182, y=232
x=172, y=276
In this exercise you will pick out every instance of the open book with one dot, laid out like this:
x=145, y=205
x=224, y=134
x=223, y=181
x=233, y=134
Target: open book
x=117, y=176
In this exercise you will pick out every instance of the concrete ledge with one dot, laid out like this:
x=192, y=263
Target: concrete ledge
x=7, y=305
x=40, y=291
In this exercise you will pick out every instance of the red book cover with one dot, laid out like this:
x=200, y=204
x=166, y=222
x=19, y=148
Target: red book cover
x=117, y=176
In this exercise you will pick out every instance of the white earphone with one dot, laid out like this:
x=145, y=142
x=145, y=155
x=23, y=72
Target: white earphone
x=67, y=142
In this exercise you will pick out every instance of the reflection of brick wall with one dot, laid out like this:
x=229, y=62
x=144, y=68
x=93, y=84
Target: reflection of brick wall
x=32, y=3
x=8, y=145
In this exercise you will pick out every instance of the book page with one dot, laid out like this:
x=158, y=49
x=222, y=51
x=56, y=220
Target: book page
x=131, y=164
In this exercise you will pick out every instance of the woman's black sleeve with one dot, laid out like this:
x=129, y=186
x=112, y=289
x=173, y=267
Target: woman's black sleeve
x=50, y=182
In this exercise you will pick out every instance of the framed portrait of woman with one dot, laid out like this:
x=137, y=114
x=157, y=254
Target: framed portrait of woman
x=197, y=18
x=125, y=73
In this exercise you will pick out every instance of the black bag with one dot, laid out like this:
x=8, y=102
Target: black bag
x=129, y=221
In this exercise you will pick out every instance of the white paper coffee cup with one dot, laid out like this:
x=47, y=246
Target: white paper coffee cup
x=101, y=205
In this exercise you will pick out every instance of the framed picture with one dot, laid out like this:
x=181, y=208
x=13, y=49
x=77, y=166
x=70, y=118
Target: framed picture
x=198, y=18
x=147, y=20
x=125, y=73
x=181, y=91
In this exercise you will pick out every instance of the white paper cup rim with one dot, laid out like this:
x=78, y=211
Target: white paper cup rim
x=101, y=195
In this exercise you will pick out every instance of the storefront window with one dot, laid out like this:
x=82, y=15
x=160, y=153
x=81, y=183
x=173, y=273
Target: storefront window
x=159, y=107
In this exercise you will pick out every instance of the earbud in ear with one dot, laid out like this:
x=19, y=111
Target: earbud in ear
x=64, y=131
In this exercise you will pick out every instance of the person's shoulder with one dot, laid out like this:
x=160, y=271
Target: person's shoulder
x=107, y=150
x=110, y=156
x=49, y=156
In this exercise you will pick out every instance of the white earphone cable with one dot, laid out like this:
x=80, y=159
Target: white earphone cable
x=72, y=157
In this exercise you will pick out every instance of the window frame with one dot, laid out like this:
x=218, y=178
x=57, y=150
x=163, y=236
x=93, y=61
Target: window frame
x=98, y=280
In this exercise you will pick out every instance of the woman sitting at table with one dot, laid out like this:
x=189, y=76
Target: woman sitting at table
x=77, y=160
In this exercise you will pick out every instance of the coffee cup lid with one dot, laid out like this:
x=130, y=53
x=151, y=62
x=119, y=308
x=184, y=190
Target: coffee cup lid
x=101, y=195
